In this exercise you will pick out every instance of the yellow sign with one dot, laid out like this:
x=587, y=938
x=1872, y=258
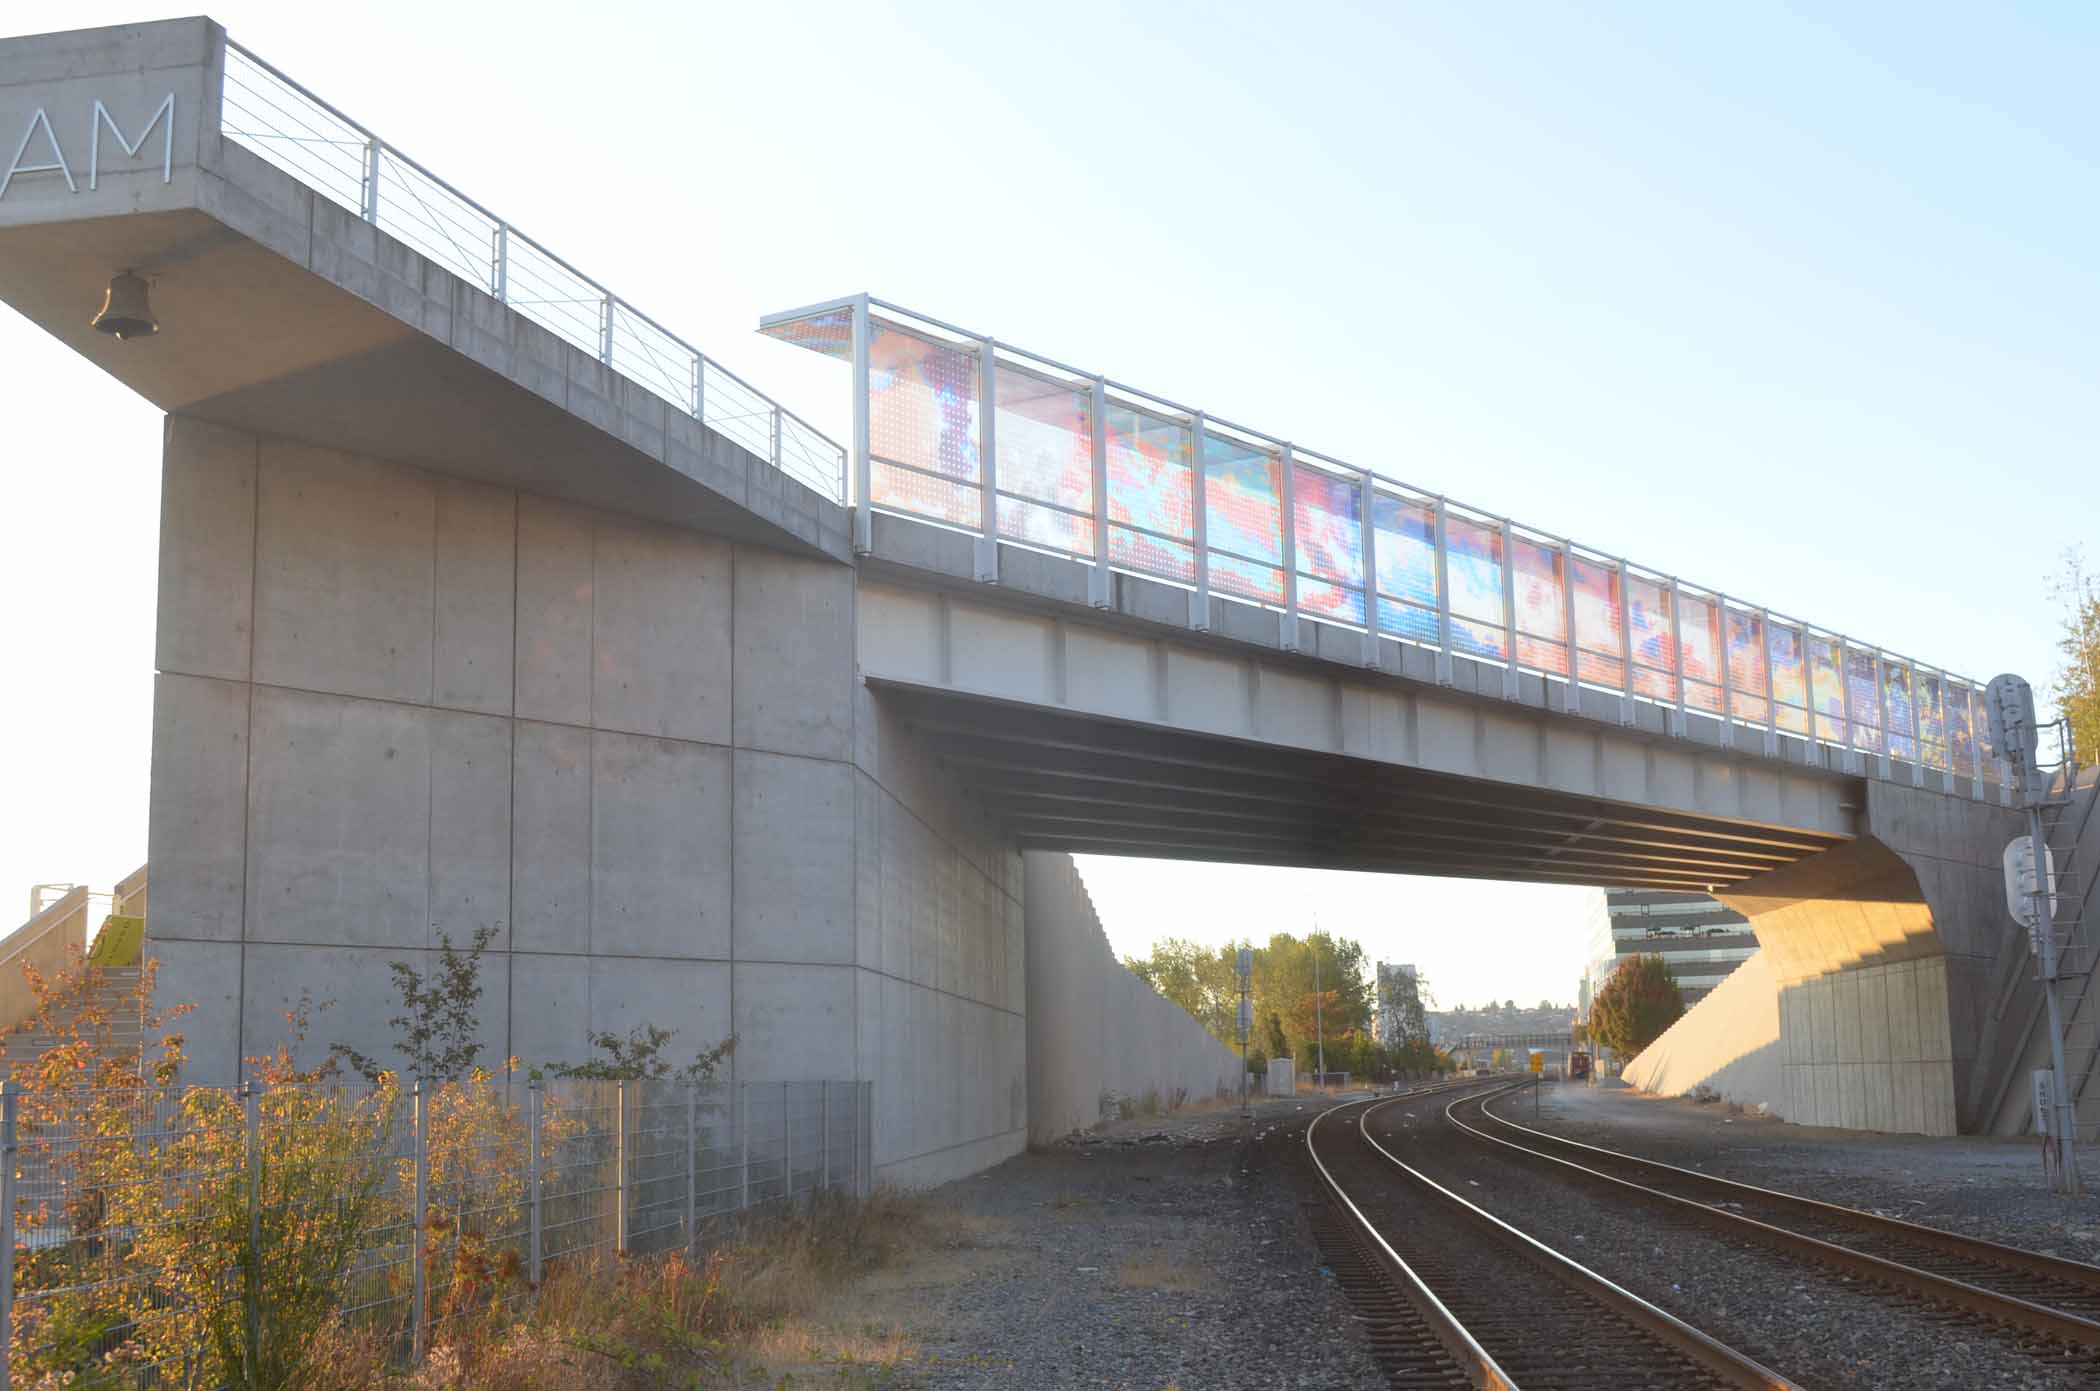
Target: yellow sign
x=1538, y=1062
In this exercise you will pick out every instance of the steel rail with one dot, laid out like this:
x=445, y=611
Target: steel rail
x=2055, y=1269
x=1479, y=1366
x=1710, y=1354
x=1943, y=1290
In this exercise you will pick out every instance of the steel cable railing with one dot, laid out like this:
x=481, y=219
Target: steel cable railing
x=268, y=113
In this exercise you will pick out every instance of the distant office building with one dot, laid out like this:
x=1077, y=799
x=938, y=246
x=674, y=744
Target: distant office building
x=1699, y=939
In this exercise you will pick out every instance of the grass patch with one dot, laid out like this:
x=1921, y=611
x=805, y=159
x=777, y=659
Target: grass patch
x=656, y=1322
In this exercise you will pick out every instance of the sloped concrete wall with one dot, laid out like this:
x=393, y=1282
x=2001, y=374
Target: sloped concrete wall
x=1094, y=1029
x=394, y=705
x=1729, y=1041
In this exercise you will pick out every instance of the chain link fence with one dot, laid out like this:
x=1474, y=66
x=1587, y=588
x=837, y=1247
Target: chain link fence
x=142, y=1230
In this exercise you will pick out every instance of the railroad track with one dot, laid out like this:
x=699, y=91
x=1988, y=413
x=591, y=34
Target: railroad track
x=1456, y=1297
x=2033, y=1294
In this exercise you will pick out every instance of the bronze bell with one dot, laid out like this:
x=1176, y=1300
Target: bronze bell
x=125, y=313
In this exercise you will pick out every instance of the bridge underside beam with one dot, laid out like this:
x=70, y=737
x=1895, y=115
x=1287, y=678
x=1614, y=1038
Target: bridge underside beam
x=1097, y=786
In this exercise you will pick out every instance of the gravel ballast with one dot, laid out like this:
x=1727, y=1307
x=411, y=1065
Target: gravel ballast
x=1165, y=1252
x=1809, y=1324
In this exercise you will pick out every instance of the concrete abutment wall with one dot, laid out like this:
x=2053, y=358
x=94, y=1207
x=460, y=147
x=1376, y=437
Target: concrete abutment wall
x=1095, y=1030
x=393, y=705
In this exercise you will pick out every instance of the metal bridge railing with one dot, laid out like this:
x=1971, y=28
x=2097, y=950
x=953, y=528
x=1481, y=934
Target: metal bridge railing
x=1015, y=448
x=267, y=112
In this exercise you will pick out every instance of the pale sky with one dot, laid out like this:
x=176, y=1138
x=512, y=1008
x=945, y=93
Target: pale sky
x=1798, y=302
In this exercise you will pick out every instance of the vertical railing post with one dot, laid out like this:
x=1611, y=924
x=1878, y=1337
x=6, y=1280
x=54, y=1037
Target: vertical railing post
x=700, y=388
x=824, y=1103
x=1808, y=685
x=1881, y=708
x=692, y=1167
x=743, y=1138
x=1975, y=744
x=1764, y=636
x=535, y=1110
x=10, y=1160
x=1509, y=611
x=1567, y=623
x=779, y=460
x=1917, y=729
x=370, y=210
x=986, y=551
x=1626, y=716
x=1851, y=730
x=863, y=480
x=1287, y=498
x=251, y=1285
x=1100, y=588
x=500, y=278
x=419, y=1293
x=1374, y=655
x=1720, y=634
x=620, y=1196
x=1199, y=518
x=605, y=329
x=1443, y=596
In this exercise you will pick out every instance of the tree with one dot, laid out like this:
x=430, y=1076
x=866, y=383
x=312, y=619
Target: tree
x=1273, y=1041
x=439, y=1030
x=2077, y=685
x=1635, y=1006
x=1202, y=980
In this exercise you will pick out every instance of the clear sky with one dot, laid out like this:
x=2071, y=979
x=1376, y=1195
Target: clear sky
x=1799, y=302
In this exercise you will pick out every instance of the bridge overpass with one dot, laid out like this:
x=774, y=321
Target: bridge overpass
x=486, y=600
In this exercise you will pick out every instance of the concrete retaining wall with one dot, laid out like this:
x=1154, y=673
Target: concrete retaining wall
x=51, y=941
x=393, y=704
x=1095, y=1031
x=1729, y=1041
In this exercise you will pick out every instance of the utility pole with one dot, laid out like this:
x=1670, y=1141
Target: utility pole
x=1319, y=1017
x=1246, y=973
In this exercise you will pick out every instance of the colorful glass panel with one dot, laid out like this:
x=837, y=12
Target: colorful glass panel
x=1473, y=567
x=1895, y=695
x=1599, y=613
x=1406, y=560
x=922, y=404
x=1541, y=604
x=1327, y=517
x=1648, y=622
x=1866, y=701
x=1699, y=649
x=1783, y=646
x=1243, y=511
x=1151, y=494
x=1824, y=685
x=1932, y=719
x=1045, y=442
x=1746, y=665
x=830, y=333
x=1961, y=742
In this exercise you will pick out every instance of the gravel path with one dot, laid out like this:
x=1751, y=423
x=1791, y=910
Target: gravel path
x=1161, y=1253
x=1807, y=1324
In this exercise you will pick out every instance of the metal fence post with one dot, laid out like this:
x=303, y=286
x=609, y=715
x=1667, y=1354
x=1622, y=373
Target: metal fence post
x=743, y=1139
x=419, y=1307
x=620, y=1168
x=370, y=210
x=502, y=275
x=776, y=437
x=251, y=1288
x=534, y=1109
x=692, y=1167
x=10, y=1104
x=825, y=1104
x=605, y=329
